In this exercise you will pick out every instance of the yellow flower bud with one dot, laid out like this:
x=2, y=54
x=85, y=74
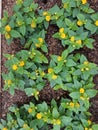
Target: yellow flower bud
x=89, y=122
x=40, y=40
x=54, y=76
x=71, y=104
x=86, y=63
x=4, y=128
x=50, y=70
x=86, y=128
x=33, y=24
x=58, y=121
x=59, y=58
x=45, y=13
x=30, y=110
x=9, y=82
x=7, y=36
x=79, y=42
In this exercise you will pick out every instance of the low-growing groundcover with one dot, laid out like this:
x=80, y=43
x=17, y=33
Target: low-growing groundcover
x=30, y=69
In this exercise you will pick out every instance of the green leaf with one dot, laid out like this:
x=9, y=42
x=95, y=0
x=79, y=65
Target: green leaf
x=44, y=48
x=20, y=122
x=66, y=120
x=55, y=113
x=56, y=127
x=68, y=22
x=81, y=17
x=70, y=63
x=27, y=3
x=23, y=30
x=75, y=95
x=42, y=107
x=15, y=34
x=95, y=127
x=91, y=92
x=28, y=91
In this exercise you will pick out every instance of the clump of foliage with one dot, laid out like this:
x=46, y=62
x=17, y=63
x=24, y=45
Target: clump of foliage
x=30, y=69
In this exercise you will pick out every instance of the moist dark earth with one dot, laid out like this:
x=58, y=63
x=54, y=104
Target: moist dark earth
x=47, y=94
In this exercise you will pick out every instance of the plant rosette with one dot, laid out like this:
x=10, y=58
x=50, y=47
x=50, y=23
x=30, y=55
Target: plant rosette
x=28, y=21
x=65, y=69
x=26, y=72
x=41, y=116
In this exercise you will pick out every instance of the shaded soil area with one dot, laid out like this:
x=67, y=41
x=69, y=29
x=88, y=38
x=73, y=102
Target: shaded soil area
x=54, y=48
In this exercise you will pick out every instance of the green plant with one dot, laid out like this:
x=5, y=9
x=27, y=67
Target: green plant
x=71, y=114
x=30, y=70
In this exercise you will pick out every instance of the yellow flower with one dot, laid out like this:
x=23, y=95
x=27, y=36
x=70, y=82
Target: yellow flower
x=86, y=63
x=61, y=30
x=63, y=35
x=59, y=58
x=14, y=67
x=40, y=40
x=96, y=22
x=38, y=45
x=39, y=116
x=4, y=128
x=54, y=76
x=7, y=36
x=86, y=128
x=7, y=28
x=72, y=39
x=33, y=24
x=50, y=70
x=54, y=121
x=72, y=104
x=89, y=122
x=30, y=110
x=58, y=121
x=84, y=1
x=79, y=23
x=45, y=13
x=82, y=90
x=79, y=42
x=21, y=63
x=65, y=6
x=77, y=105
x=9, y=82
x=43, y=73
x=48, y=18
x=25, y=125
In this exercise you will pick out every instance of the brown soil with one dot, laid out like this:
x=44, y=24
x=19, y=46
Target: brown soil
x=54, y=48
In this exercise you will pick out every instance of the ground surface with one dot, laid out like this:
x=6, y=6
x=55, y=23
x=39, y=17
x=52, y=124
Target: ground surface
x=20, y=98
